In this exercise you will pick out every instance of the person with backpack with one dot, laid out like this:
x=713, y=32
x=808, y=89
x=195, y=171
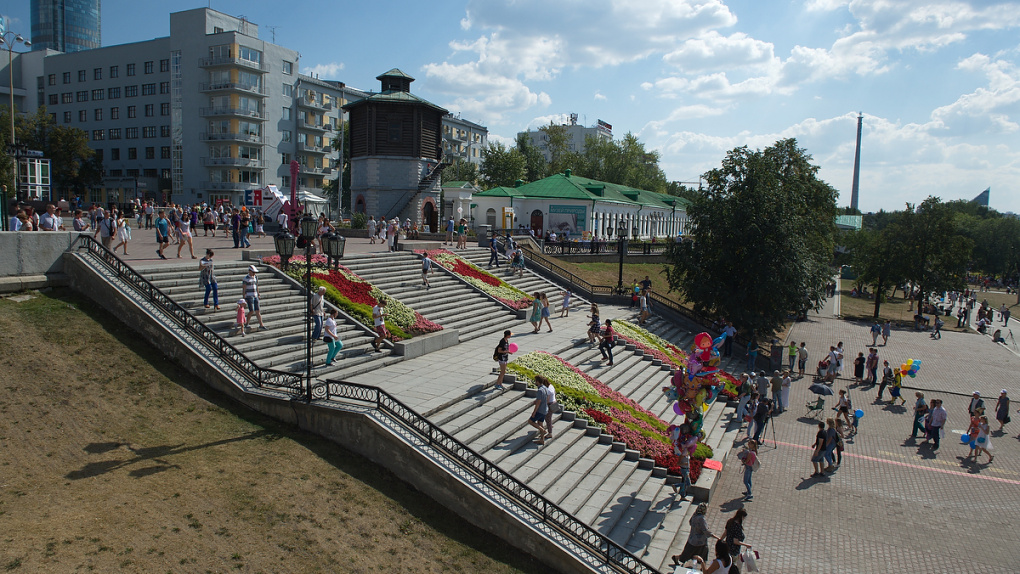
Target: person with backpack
x=749, y=458
x=502, y=356
x=426, y=268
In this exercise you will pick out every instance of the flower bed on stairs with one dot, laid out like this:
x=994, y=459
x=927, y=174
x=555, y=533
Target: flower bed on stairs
x=483, y=280
x=356, y=296
x=607, y=409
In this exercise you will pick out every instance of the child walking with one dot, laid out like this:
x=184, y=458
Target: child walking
x=242, y=315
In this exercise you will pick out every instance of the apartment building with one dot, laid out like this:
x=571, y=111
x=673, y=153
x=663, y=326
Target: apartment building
x=463, y=140
x=576, y=136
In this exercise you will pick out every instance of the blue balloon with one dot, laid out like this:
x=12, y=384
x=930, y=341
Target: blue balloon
x=981, y=440
x=973, y=444
x=859, y=414
x=965, y=438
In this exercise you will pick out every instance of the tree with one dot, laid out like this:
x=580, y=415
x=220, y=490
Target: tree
x=558, y=144
x=534, y=159
x=502, y=166
x=934, y=255
x=875, y=258
x=461, y=170
x=762, y=239
x=341, y=185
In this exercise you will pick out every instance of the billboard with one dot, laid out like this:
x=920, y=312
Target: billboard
x=569, y=218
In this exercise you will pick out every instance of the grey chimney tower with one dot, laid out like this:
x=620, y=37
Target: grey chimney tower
x=857, y=165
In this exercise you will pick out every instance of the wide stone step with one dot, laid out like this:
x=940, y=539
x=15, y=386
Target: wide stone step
x=345, y=368
x=603, y=511
x=285, y=354
x=594, y=490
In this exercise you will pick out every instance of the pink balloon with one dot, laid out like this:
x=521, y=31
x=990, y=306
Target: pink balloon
x=512, y=348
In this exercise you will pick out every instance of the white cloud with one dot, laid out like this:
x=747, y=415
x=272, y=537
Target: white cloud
x=987, y=109
x=329, y=71
x=599, y=97
x=714, y=51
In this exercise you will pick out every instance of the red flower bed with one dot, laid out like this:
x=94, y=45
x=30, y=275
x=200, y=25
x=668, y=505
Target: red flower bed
x=460, y=268
x=672, y=464
x=360, y=293
x=599, y=416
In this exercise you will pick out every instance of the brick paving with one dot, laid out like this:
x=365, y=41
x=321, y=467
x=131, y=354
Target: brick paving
x=895, y=505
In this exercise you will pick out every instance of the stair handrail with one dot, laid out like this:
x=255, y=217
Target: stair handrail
x=259, y=376
x=423, y=184
x=613, y=554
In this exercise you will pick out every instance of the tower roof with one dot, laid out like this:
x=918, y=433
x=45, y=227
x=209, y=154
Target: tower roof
x=394, y=73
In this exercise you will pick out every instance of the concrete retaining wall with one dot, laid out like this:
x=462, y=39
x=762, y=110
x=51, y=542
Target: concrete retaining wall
x=33, y=260
x=355, y=429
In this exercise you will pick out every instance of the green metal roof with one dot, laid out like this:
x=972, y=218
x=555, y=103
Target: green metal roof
x=394, y=97
x=564, y=186
x=394, y=73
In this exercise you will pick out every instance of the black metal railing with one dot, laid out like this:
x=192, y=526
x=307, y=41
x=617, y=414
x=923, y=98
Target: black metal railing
x=215, y=344
x=614, y=555
x=536, y=259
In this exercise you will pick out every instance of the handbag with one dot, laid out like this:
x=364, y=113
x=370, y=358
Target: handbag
x=750, y=559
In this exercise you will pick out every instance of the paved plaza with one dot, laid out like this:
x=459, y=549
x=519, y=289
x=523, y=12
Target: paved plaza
x=895, y=505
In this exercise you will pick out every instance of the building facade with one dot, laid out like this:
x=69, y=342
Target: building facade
x=463, y=140
x=66, y=25
x=576, y=136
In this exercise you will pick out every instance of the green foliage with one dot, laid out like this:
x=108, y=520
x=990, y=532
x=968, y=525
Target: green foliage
x=703, y=451
x=461, y=170
x=933, y=256
x=763, y=238
x=502, y=166
x=534, y=159
x=74, y=168
x=558, y=144
x=358, y=221
x=624, y=162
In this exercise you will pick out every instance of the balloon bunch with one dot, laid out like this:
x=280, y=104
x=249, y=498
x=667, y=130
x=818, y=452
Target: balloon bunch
x=910, y=367
x=693, y=389
x=683, y=438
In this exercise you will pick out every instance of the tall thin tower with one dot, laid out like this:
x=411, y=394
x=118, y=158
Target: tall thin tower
x=857, y=164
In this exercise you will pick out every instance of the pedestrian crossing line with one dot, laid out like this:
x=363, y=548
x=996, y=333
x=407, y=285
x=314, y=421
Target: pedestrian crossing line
x=909, y=465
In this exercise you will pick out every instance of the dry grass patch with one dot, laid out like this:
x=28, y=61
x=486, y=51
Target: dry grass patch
x=113, y=458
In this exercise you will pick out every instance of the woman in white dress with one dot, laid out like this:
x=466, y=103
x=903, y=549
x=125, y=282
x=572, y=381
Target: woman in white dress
x=123, y=234
x=787, y=383
x=184, y=231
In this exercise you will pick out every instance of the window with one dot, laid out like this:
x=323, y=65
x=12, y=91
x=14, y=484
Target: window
x=164, y=87
x=285, y=159
x=97, y=114
x=113, y=93
x=97, y=135
x=217, y=30
x=54, y=99
x=113, y=173
x=130, y=69
x=148, y=67
x=114, y=113
x=164, y=152
x=251, y=54
x=250, y=128
x=150, y=153
x=288, y=90
x=164, y=109
x=285, y=181
x=285, y=136
x=53, y=117
x=66, y=98
x=98, y=94
x=67, y=117
x=83, y=116
x=249, y=152
x=97, y=74
x=286, y=113
x=132, y=153
x=148, y=89
x=131, y=134
x=288, y=67
x=82, y=96
x=114, y=71
x=66, y=77
x=393, y=131
x=164, y=65
x=149, y=132
x=131, y=112
x=150, y=110
x=115, y=153
x=149, y=172
x=115, y=133
x=81, y=75
x=99, y=155
x=249, y=80
x=165, y=174
x=130, y=91
x=164, y=131
x=51, y=79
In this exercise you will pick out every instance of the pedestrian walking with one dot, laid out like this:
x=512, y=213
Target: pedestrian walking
x=242, y=316
x=920, y=415
x=731, y=333
x=184, y=236
x=565, y=304
x=777, y=391
x=379, y=320
x=752, y=354
x=607, y=340
x=976, y=404
x=317, y=307
x=502, y=356
x=162, y=233
x=541, y=409
x=123, y=235
x=887, y=378
x=545, y=312
x=787, y=385
x=536, y=312
x=876, y=330
x=818, y=455
x=554, y=408
x=697, y=540
x=426, y=268
x=723, y=560
x=1002, y=409
x=749, y=458
x=791, y=354
x=735, y=532
x=594, y=324
x=938, y=419
x=979, y=440
x=886, y=332
x=859, y=363
x=493, y=253
x=333, y=342
x=207, y=279
x=896, y=388
x=802, y=357
x=251, y=295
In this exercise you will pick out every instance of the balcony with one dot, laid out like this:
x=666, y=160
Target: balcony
x=228, y=186
x=212, y=137
x=307, y=126
x=315, y=170
x=314, y=104
x=233, y=161
x=312, y=148
x=220, y=61
x=214, y=112
x=232, y=87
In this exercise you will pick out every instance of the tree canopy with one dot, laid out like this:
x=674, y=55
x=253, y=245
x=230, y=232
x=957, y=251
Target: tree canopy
x=762, y=239
x=74, y=167
x=502, y=166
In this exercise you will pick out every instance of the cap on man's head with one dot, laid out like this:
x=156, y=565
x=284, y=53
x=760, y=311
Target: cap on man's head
x=253, y=269
x=977, y=394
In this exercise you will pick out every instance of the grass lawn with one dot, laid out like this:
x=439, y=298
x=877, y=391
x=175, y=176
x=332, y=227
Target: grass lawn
x=113, y=458
x=997, y=298
x=609, y=274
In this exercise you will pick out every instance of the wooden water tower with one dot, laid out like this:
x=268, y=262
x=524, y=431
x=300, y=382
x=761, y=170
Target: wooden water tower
x=396, y=151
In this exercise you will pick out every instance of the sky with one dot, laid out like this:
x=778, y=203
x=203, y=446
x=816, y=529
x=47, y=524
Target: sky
x=937, y=82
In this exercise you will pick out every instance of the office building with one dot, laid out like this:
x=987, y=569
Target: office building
x=576, y=135
x=66, y=25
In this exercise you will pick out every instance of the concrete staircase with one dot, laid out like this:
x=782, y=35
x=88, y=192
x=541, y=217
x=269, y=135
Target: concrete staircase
x=282, y=345
x=449, y=301
x=530, y=283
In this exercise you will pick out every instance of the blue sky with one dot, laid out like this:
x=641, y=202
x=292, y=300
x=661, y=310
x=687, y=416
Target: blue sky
x=938, y=82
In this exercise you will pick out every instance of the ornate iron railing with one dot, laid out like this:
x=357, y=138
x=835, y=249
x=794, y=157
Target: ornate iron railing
x=614, y=555
x=536, y=259
x=215, y=344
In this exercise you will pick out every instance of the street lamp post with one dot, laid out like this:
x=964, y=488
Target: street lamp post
x=621, y=245
x=8, y=40
x=308, y=229
x=334, y=246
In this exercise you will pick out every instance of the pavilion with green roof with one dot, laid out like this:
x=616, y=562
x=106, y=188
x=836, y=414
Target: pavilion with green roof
x=582, y=207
